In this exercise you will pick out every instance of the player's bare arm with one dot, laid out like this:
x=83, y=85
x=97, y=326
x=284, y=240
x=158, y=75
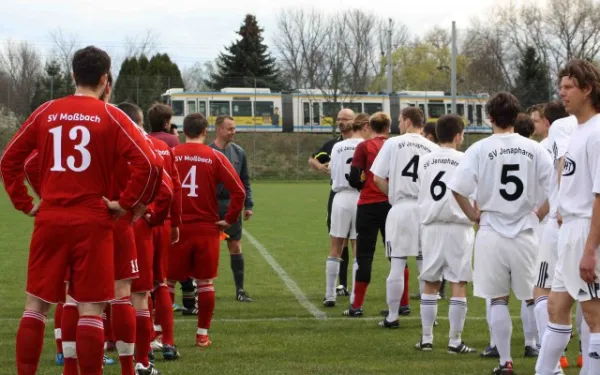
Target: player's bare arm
x=587, y=267
x=543, y=210
x=317, y=166
x=465, y=205
x=382, y=184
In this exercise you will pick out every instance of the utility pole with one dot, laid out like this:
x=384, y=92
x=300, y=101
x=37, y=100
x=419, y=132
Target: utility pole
x=389, y=58
x=453, y=69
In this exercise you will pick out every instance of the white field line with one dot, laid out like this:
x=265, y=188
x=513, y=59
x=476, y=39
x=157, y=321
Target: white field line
x=287, y=280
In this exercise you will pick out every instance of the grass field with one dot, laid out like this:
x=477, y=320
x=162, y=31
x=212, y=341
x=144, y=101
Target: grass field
x=276, y=334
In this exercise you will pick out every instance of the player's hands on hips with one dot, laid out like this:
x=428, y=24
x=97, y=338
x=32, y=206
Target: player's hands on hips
x=587, y=266
x=324, y=168
x=35, y=209
x=116, y=211
x=223, y=224
x=559, y=219
x=174, y=235
x=138, y=211
x=247, y=214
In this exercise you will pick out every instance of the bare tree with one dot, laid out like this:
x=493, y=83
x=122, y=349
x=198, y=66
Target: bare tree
x=360, y=44
x=291, y=26
x=195, y=76
x=141, y=44
x=64, y=48
x=22, y=66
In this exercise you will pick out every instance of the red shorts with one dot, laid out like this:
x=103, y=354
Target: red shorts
x=126, y=266
x=161, y=237
x=145, y=255
x=196, y=254
x=78, y=241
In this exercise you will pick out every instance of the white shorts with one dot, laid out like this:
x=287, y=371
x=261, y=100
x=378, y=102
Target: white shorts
x=343, y=214
x=539, y=231
x=571, y=242
x=447, y=252
x=502, y=263
x=402, y=230
x=547, y=256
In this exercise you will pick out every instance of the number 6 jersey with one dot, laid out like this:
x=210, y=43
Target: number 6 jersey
x=436, y=202
x=511, y=175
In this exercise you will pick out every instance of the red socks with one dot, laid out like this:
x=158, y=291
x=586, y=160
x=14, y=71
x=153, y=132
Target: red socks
x=164, y=314
x=143, y=336
x=90, y=345
x=206, y=305
x=360, y=290
x=123, y=324
x=70, y=317
x=171, y=291
x=106, y=321
x=57, y=331
x=30, y=340
x=404, y=301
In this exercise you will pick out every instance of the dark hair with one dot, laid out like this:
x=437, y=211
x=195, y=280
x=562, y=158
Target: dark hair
x=524, y=125
x=220, y=120
x=415, y=115
x=89, y=65
x=503, y=109
x=586, y=75
x=173, y=126
x=429, y=129
x=554, y=111
x=360, y=121
x=131, y=110
x=158, y=114
x=194, y=125
x=448, y=126
x=379, y=122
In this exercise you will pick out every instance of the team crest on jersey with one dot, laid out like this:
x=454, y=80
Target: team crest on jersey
x=570, y=166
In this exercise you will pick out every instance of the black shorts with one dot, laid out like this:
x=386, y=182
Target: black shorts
x=329, y=204
x=235, y=230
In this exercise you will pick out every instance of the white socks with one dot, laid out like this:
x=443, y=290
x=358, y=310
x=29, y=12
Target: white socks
x=354, y=269
x=584, y=336
x=529, y=326
x=554, y=342
x=395, y=287
x=332, y=270
x=419, y=269
x=488, y=317
x=457, y=315
x=429, y=307
x=502, y=329
x=541, y=315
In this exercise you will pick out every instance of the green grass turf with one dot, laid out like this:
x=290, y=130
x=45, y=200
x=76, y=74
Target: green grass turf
x=275, y=334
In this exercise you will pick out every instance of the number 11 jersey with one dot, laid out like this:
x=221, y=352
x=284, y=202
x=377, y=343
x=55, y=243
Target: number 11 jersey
x=510, y=175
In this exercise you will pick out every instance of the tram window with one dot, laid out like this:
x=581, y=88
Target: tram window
x=177, y=106
x=436, y=110
x=331, y=109
x=263, y=108
x=191, y=106
x=202, y=108
x=371, y=108
x=355, y=107
x=219, y=108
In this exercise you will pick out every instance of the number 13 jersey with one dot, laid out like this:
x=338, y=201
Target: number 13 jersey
x=436, y=202
x=510, y=175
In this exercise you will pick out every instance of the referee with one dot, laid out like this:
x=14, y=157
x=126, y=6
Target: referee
x=225, y=129
x=319, y=161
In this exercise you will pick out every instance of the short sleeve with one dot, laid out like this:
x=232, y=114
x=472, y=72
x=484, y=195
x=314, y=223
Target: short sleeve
x=466, y=176
x=593, y=154
x=560, y=136
x=360, y=160
x=381, y=165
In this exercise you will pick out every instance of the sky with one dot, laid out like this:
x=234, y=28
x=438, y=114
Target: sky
x=196, y=31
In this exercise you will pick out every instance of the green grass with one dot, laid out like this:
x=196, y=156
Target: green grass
x=275, y=334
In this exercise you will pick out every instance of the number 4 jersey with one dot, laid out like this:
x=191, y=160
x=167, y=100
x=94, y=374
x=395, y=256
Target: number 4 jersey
x=436, y=202
x=201, y=169
x=510, y=175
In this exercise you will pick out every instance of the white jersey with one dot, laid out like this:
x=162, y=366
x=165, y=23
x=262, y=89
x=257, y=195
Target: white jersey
x=341, y=158
x=398, y=160
x=510, y=175
x=436, y=202
x=559, y=138
x=545, y=143
x=579, y=178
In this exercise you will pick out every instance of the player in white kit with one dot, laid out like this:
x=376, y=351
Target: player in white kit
x=509, y=176
x=398, y=161
x=577, y=271
x=447, y=236
x=343, y=208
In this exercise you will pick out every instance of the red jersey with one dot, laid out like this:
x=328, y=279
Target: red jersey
x=364, y=155
x=170, y=171
x=201, y=169
x=31, y=172
x=79, y=140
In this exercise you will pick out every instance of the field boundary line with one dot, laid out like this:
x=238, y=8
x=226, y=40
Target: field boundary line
x=287, y=280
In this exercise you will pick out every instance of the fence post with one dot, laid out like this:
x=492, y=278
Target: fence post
x=297, y=158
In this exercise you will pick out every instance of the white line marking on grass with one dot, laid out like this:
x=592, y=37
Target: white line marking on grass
x=287, y=280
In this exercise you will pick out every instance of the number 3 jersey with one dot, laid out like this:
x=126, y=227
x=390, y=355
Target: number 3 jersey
x=399, y=161
x=510, y=175
x=201, y=168
x=436, y=202
x=341, y=159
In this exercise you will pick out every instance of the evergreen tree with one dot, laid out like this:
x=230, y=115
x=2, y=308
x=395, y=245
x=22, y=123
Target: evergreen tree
x=142, y=81
x=53, y=84
x=533, y=81
x=247, y=62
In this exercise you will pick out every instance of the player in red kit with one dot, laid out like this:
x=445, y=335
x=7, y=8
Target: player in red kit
x=79, y=139
x=196, y=254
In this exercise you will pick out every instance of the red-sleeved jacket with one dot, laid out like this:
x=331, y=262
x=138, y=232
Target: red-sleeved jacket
x=79, y=140
x=201, y=168
x=32, y=172
x=162, y=149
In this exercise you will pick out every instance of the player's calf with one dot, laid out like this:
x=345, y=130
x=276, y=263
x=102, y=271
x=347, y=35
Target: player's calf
x=206, y=308
x=332, y=270
x=90, y=338
x=123, y=324
x=30, y=335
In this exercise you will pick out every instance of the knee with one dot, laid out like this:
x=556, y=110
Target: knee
x=35, y=304
x=591, y=315
x=558, y=313
x=235, y=247
x=122, y=288
x=139, y=301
